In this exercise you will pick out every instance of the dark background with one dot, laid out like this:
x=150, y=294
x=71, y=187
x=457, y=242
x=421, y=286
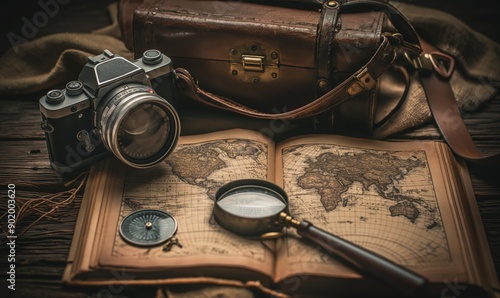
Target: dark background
x=480, y=15
x=12, y=13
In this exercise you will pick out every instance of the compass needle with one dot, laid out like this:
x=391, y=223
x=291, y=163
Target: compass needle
x=148, y=227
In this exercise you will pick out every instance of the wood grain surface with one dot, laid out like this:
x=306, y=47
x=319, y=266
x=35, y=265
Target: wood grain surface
x=42, y=251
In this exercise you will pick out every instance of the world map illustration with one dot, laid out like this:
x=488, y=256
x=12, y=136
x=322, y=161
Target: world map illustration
x=384, y=201
x=209, y=165
x=185, y=185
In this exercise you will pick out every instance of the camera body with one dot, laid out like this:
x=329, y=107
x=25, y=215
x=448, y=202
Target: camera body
x=112, y=107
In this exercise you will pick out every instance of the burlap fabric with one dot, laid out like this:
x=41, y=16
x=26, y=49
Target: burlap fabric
x=475, y=79
x=50, y=60
x=55, y=59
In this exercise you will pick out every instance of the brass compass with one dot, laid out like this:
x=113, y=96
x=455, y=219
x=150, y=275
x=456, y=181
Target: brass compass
x=148, y=227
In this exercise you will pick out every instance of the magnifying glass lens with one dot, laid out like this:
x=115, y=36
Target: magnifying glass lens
x=250, y=207
x=253, y=208
x=252, y=202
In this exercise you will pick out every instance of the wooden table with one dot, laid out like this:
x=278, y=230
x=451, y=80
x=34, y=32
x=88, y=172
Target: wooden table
x=40, y=253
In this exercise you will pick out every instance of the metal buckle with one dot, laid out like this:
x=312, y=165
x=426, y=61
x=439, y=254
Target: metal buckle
x=421, y=62
x=398, y=39
x=441, y=63
x=364, y=81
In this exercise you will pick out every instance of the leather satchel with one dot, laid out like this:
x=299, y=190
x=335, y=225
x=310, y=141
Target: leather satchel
x=344, y=65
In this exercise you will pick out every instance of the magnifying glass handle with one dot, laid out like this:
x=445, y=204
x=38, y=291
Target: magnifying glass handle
x=409, y=282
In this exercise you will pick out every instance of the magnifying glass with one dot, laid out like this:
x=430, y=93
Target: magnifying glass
x=251, y=207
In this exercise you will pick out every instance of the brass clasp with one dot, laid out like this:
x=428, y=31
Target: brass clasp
x=364, y=81
x=254, y=62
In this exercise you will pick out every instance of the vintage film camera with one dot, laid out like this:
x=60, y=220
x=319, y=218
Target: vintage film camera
x=113, y=108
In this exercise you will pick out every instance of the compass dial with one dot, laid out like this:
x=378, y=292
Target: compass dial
x=148, y=227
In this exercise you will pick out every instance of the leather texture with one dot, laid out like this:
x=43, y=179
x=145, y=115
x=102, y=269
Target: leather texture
x=340, y=62
x=447, y=115
x=125, y=20
x=199, y=36
x=382, y=59
x=325, y=39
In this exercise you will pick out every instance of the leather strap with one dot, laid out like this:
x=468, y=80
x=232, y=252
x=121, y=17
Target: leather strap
x=353, y=6
x=408, y=34
x=324, y=45
x=448, y=118
x=435, y=83
x=362, y=80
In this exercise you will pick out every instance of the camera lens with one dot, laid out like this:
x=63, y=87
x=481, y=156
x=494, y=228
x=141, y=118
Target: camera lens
x=138, y=126
x=144, y=131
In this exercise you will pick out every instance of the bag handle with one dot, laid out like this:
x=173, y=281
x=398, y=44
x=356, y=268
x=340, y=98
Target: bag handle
x=434, y=78
x=362, y=80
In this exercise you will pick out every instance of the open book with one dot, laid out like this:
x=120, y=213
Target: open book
x=410, y=202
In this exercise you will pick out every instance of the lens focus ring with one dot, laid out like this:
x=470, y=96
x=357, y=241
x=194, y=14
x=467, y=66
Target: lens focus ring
x=138, y=126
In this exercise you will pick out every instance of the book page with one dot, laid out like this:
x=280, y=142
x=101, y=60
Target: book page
x=100, y=186
x=184, y=186
x=388, y=197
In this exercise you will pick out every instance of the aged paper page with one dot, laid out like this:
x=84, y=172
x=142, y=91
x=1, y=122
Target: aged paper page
x=89, y=225
x=390, y=198
x=184, y=186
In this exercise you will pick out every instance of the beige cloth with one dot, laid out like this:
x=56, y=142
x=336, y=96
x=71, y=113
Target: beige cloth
x=476, y=78
x=56, y=59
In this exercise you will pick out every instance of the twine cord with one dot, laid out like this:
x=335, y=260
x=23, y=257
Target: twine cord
x=45, y=206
